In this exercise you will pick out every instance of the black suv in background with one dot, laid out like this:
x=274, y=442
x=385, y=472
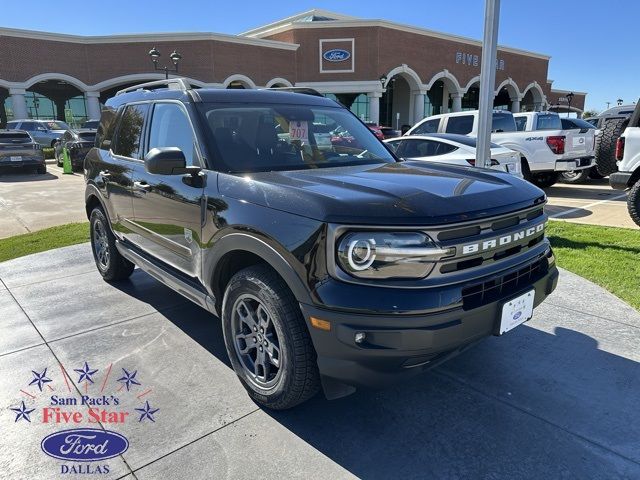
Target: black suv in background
x=329, y=264
x=77, y=143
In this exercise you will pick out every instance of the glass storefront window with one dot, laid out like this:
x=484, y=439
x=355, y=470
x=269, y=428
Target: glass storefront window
x=359, y=107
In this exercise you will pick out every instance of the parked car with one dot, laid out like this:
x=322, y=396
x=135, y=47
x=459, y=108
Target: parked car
x=45, y=132
x=18, y=149
x=382, y=132
x=92, y=124
x=611, y=123
x=627, y=155
x=543, y=154
x=453, y=149
x=77, y=143
x=580, y=176
x=333, y=269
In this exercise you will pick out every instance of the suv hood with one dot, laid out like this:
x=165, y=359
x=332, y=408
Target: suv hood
x=405, y=193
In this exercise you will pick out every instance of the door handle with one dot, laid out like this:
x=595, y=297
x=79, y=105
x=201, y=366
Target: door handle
x=143, y=186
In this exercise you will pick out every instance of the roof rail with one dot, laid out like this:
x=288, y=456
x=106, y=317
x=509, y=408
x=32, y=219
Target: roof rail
x=303, y=90
x=171, y=83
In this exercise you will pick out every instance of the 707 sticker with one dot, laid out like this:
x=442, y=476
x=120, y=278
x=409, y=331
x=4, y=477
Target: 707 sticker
x=298, y=131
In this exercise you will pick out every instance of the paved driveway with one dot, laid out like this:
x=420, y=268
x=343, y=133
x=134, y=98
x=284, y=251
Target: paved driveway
x=555, y=398
x=30, y=202
x=594, y=202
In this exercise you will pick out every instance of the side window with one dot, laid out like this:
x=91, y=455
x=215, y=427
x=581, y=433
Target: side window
x=106, y=128
x=430, y=126
x=415, y=148
x=130, y=131
x=12, y=125
x=521, y=123
x=503, y=122
x=29, y=126
x=462, y=124
x=393, y=146
x=170, y=127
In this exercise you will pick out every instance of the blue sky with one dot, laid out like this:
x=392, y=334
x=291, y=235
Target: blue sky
x=593, y=44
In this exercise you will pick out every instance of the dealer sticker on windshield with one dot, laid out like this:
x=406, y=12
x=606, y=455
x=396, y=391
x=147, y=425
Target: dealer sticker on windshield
x=298, y=131
x=517, y=311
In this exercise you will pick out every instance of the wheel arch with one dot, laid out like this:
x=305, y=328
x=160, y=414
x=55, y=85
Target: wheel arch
x=237, y=251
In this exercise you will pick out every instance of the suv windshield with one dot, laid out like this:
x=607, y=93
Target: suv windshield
x=289, y=137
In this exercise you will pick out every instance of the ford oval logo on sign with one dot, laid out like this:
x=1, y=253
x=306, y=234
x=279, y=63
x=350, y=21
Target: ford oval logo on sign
x=84, y=445
x=336, y=55
x=517, y=315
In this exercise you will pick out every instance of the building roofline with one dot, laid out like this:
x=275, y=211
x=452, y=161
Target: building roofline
x=575, y=92
x=290, y=23
x=146, y=38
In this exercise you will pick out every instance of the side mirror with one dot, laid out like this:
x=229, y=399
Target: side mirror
x=167, y=161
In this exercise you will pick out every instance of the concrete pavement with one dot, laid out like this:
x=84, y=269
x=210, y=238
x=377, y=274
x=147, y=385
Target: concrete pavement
x=30, y=202
x=594, y=203
x=555, y=398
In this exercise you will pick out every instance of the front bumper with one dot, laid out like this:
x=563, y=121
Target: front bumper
x=620, y=180
x=398, y=346
x=575, y=164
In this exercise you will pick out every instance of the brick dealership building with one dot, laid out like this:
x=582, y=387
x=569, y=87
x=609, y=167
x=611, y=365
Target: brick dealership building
x=386, y=72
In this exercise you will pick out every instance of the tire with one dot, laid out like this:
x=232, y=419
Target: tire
x=595, y=174
x=545, y=179
x=606, y=145
x=42, y=169
x=575, y=176
x=633, y=203
x=259, y=310
x=111, y=265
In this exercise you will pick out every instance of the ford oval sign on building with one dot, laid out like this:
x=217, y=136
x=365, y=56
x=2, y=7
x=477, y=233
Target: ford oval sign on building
x=84, y=445
x=336, y=55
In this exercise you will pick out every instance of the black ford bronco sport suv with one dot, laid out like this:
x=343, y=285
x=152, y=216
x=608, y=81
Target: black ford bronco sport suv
x=330, y=262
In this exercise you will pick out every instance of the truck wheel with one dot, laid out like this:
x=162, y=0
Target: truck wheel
x=111, y=265
x=606, y=145
x=633, y=203
x=595, y=174
x=545, y=179
x=575, y=176
x=267, y=339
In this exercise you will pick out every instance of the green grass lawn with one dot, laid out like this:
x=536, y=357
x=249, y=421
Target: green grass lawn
x=609, y=257
x=42, y=240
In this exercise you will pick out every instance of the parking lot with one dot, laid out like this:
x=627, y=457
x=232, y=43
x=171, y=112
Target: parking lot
x=554, y=398
x=30, y=202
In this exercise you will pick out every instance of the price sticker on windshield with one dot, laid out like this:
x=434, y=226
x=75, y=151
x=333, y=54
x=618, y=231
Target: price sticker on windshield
x=298, y=131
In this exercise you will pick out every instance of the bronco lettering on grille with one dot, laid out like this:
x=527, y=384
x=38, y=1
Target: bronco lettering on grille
x=502, y=241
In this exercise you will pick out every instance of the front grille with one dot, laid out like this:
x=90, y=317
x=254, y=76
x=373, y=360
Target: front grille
x=492, y=290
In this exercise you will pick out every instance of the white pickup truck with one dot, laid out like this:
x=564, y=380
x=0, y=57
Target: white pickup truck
x=544, y=153
x=628, y=160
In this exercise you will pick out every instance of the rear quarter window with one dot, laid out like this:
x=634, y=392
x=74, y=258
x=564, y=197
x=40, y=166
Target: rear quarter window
x=521, y=123
x=107, y=127
x=462, y=124
x=503, y=122
x=548, y=122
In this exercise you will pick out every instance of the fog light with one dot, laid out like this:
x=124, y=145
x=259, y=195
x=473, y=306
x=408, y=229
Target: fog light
x=360, y=337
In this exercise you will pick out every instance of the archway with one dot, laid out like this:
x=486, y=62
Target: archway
x=533, y=99
x=507, y=96
x=471, y=97
x=278, y=82
x=443, y=94
x=238, y=81
x=55, y=99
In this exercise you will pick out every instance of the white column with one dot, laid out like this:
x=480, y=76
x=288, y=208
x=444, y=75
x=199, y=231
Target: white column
x=515, y=105
x=93, y=105
x=18, y=103
x=456, y=105
x=374, y=106
x=418, y=106
x=445, y=99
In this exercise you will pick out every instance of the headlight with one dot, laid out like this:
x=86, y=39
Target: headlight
x=384, y=255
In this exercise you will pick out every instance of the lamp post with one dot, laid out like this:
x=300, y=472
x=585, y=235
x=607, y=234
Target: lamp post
x=175, y=57
x=569, y=99
x=383, y=83
x=619, y=102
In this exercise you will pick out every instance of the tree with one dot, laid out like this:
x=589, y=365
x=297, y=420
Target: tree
x=589, y=113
